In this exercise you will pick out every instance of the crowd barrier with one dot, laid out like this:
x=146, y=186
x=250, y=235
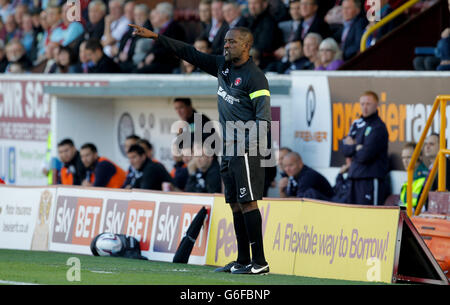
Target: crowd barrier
x=301, y=236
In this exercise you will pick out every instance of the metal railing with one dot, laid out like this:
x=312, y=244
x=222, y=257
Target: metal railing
x=439, y=162
x=383, y=21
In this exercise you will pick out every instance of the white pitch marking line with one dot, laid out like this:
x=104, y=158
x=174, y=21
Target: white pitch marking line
x=16, y=283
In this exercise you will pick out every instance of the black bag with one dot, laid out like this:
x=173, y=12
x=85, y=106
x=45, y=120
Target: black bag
x=187, y=243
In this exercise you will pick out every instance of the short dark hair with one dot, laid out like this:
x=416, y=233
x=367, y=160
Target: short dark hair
x=185, y=100
x=93, y=44
x=137, y=149
x=66, y=141
x=133, y=137
x=90, y=146
x=146, y=143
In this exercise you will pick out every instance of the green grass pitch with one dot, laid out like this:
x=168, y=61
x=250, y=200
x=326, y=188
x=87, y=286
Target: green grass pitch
x=52, y=268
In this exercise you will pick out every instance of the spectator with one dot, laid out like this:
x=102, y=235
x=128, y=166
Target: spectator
x=232, y=14
x=296, y=60
x=303, y=181
x=36, y=19
x=6, y=9
x=20, y=10
x=17, y=57
x=159, y=59
x=65, y=61
x=330, y=55
x=132, y=50
x=267, y=35
x=67, y=33
x=355, y=22
x=342, y=186
x=95, y=26
x=183, y=107
x=116, y=25
x=83, y=64
x=148, y=147
x=289, y=27
x=128, y=10
x=430, y=152
x=3, y=59
x=100, y=62
x=130, y=141
x=12, y=31
x=201, y=44
x=50, y=64
x=204, y=174
x=100, y=171
x=311, y=45
x=312, y=21
x=179, y=172
x=148, y=174
x=73, y=171
x=204, y=13
x=283, y=151
x=419, y=176
x=367, y=145
x=215, y=32
x=28, y=35
x=42, y=37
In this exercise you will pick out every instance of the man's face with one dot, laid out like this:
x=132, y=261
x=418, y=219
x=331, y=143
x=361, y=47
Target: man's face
x=140, y=16
x=183, y=111
x=115, y=9
x=368, y=105
x=203, y=162
x=88, y=157
x=256, y=7
x=53, y=16
x=294, y=10
x=66, y=153
x=94, y=55
x=310, y=47
x=349, y=10
x=136, y=160
x=95, y=14
x=291, y=165
x=295, y=51
x=204, y=12
x=307, y=8
x=128, y=10
x=14, y=52
x=431, y=146
x=216, y=11
x=234, y=46
x=406, y=156
x=281, y=154
x=230, y=12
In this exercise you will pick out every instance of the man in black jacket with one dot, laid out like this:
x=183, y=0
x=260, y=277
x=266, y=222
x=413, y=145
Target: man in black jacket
x=101, y=62
x=367, y=145
x=148, y=174
x=243, y=96
x=204, y=175
x=311, y=21
x=216, y=30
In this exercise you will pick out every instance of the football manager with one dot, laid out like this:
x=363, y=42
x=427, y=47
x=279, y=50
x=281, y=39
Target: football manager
x=243, y=99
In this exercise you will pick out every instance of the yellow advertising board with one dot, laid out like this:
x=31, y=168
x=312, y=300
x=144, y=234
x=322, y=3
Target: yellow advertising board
x=315, y=239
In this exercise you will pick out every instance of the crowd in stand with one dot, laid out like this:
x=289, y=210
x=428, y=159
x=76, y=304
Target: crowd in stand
x=51, y=37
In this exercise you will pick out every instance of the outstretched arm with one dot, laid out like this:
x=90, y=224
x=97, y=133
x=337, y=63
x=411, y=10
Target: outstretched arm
x=206, y=62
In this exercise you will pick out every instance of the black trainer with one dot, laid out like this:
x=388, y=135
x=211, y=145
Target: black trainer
x=252, y=268
x=229, y=267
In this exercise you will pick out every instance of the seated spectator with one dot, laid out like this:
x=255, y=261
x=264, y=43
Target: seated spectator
x=267, y=36
x=283, y=151
x=132, y=49
x=100, y=62
x=73, y=171
x=311, y=45
x=116, y=25
x=28, y=35
x=95, y=26
x=83, y=64
x=130, y=141
x=330, y=55
x=355, y=22
x=430, y=151
x=65, y=61
x=303, y=181
x=204, y=174
x=148, y=147
x=67, y=33
x=17, y=57
x=232, y=14
x=289, y=29
x=342, y=186
x=201, y=44
x=20, y=10
x=41, y=37
x=49, y=65
x=3, y=59
x=297, y=60
x=215, y=32
x=11, y=28
x=6, y=9
x=159, y=59
x=179, y=172
x=419, y=177
x=204, y=13
x=148, y=174
x=100, y=171
x=443, y=50
x=128, y=10
x=311, y=21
